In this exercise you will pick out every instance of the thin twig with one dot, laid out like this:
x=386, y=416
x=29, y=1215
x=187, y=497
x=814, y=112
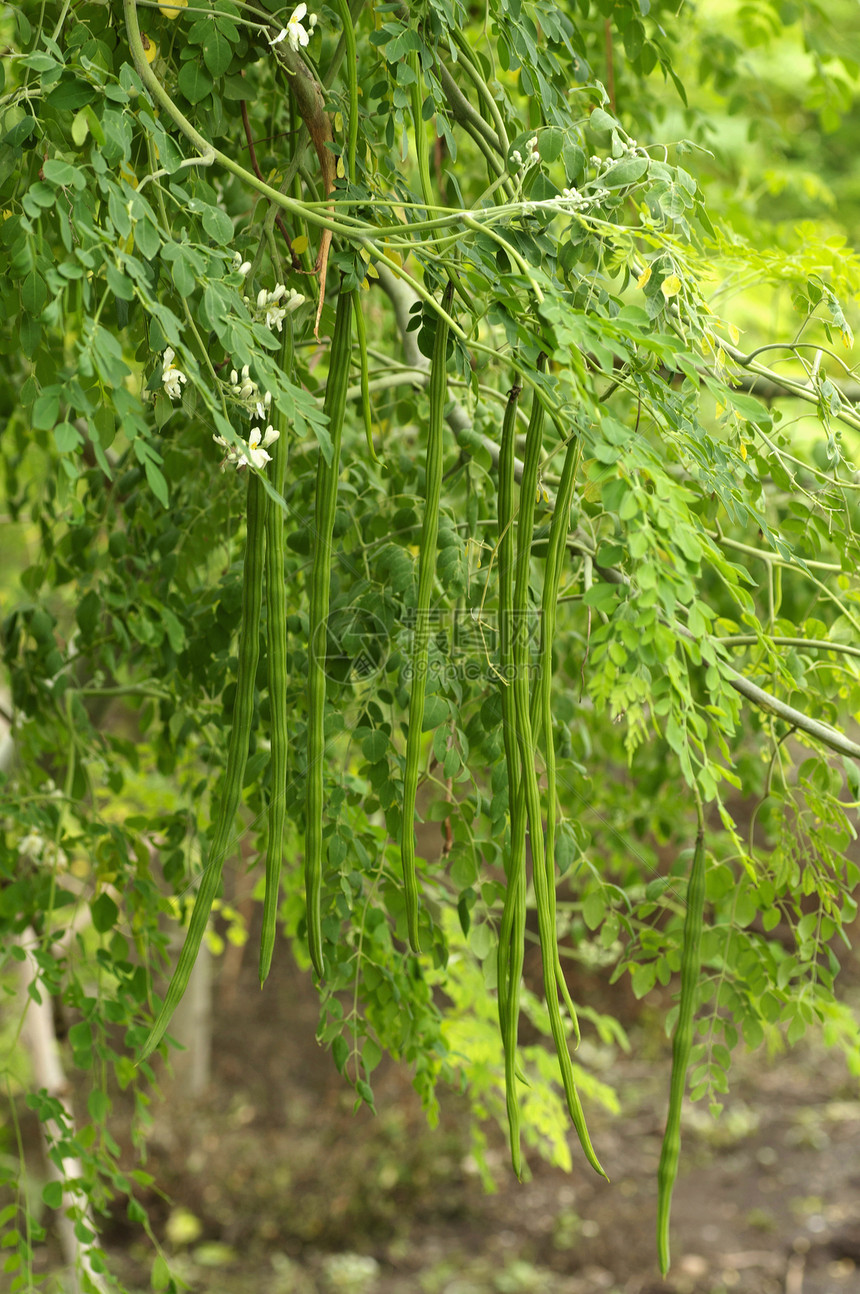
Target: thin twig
x=259, y=174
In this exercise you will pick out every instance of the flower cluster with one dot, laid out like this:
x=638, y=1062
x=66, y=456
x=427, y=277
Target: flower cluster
x=254, y=452
x=247, y=390
x=40, y=850
x=171, y=376
x=532, y=156
x=243, y=386
x=275, y=306
x=239, y=265
x=294, y=33
x=272, y=308
x=580, y=200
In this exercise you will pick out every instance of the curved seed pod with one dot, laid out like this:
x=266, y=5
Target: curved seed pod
x=511, y=949
x=276, y=645
x=525, y=739
x=237, y=754
x=420, y=644
x=422, y=151
x=351, y=82
x=542, y=701
x=681, y=1045
x=326, y=501
x=361, y=337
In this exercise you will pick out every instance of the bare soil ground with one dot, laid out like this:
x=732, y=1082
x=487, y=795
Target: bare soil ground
x=278, y=1188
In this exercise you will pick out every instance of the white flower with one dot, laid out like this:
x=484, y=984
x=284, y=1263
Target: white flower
x=32, y=845
x=256, y=451
x=38, y=849
x=239, y=265
x=277, y=304
x=574, y=196
x=295, y=32
x=276, y=40
x=232, y=454
x=275, y=316
x=171, y=376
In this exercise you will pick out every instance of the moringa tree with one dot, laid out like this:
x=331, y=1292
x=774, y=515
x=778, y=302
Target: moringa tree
x=382, y=448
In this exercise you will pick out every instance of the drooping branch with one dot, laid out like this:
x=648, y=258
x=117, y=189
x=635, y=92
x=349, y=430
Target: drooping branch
x=768, y=390
x=793, y=386
x=402, y=299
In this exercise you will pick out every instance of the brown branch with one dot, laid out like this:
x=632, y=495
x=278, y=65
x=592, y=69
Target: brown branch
x=310, y=101
x=259, y=174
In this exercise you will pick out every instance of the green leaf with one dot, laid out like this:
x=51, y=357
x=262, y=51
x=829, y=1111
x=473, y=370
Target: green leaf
x=218, y=226
x=435, y=711
x=80, y=127
x=157, y=483
x=98, y=1105
x=601, y=121
x=750, y=408
x=217, y=53
x=602, y=596
x=67, y=438
x=34, y=294
x=371, y=1055
x=194, y=81
x=340, y=1052
x=88, y=613
x=46, y=410
x=627, y=171
x=52, y=1195
x=593, y=909
x=160, y=1277
x=550, y=143
x=80, y=1036
x=147, y=238
x=375, y=746
x=104, y=913
x=643, y=978
x=71, y=94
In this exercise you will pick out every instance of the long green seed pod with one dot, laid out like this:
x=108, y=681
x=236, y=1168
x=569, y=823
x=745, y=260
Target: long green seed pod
x=361, y=336
x=326, y=501
x=351, y=82
x=276, y=645
x=681, y=1045
x=541, y=707
x=421, y=638
x=542, y=701
x=422, y=150
x=511, y=949
x=546, y=924
x=237, y=754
